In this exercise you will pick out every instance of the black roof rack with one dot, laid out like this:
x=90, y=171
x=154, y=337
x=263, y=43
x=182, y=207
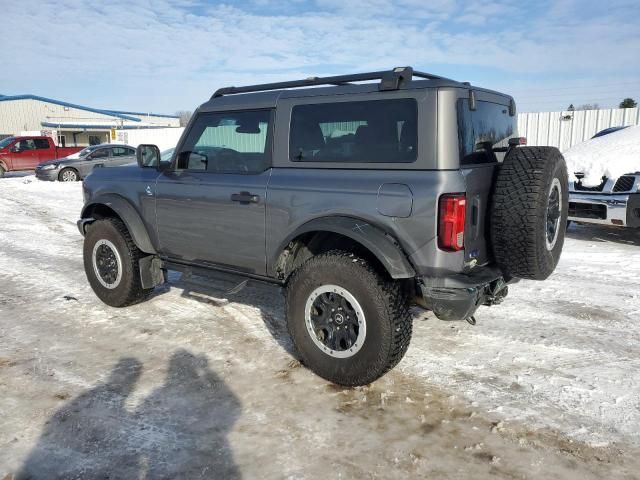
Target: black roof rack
x=389, y=80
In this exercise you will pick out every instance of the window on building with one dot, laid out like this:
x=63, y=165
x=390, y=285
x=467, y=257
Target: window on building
x=94, y=140
x=230, y=142
x=41, y=143
x=373, y=131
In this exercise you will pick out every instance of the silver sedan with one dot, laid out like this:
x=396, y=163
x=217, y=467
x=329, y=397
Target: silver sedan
x=78, y=165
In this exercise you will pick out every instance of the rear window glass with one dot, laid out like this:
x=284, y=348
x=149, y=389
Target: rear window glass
x=481, y=130
x=375, y=131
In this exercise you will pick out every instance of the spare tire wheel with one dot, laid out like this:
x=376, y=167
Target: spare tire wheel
x=529, y=212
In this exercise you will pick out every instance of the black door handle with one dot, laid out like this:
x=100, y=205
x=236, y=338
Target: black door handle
x=245, y=197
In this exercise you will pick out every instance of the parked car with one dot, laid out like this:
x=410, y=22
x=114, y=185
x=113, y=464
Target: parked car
x=607, y=131
x=613, y=161
x=77, y=166
x=25, y=153
x=165, y=155
x=358, y=199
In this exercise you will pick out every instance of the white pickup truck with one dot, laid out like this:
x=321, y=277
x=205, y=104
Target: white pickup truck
x=605, y=188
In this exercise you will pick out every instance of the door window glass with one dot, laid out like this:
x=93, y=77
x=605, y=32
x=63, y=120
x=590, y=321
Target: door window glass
x=23, y=145
x=369, y=131
x=122, y=151
x=100, y=153
x=229, y=142
x=41, y=143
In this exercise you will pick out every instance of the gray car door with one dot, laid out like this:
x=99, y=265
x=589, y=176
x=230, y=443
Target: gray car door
x=210, y=205
x=99, y=156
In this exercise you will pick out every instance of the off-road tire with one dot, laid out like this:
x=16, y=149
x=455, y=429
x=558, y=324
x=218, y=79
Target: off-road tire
x=386, y=310
x=68, y=169
x=518, y=211
x=129, y=291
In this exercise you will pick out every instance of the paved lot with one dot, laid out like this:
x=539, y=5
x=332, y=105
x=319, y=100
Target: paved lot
x=196, y=384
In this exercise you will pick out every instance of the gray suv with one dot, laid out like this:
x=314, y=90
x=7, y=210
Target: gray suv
x=359, y=194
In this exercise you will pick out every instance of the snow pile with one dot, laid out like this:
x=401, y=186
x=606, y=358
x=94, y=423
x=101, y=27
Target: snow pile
x=611, y=155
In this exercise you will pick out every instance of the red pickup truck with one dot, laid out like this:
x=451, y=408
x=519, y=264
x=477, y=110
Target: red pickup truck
x=25, y=153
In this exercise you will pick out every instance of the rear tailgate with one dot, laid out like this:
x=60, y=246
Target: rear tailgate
x=483, y=130
x=479, y=182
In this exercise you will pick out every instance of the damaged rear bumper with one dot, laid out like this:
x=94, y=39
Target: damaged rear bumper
x=458, y=296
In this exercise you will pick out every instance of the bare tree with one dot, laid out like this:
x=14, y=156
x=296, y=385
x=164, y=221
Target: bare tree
x=185, y=116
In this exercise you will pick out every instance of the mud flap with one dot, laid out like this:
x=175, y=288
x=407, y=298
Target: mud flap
x=151, y=273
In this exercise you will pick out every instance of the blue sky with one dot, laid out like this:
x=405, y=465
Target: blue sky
x=168, y=55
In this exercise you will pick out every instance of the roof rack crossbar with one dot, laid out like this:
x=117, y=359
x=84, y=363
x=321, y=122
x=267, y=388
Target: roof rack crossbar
x=390, y=80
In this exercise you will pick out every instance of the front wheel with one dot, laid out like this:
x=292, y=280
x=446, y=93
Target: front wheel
x=349, y=323
x=111, y=263
x=68, y=175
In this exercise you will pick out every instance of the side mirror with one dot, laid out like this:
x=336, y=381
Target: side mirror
x=148, y=156
x=14, y=149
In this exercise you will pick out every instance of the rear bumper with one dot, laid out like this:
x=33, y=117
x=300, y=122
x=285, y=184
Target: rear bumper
x=605, y=209
x=458, y=296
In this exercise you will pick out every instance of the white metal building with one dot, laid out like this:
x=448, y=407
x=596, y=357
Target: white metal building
x=70, y=124
x=568, y=128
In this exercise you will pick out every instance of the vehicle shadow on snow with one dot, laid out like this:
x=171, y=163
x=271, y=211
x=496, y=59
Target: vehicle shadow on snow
x=221, y=289
x=603, y=233
x=179, y=430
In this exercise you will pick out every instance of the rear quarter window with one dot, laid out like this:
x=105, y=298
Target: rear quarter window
x=481, y=130
x=373, y=131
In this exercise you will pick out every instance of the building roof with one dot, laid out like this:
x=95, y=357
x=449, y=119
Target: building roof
x=63, y=125
x=113, y=113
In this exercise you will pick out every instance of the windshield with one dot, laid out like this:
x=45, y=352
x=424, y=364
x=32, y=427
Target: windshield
x=6, y=141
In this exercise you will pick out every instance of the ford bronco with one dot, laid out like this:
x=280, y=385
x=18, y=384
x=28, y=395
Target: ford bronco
x=359, y=194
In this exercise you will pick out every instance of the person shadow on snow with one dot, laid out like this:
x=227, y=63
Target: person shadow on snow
x=179, y=431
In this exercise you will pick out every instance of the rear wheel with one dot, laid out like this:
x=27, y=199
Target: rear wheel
x=68, y=175
x=350, y=323
x=111, y=263
x=2, y=171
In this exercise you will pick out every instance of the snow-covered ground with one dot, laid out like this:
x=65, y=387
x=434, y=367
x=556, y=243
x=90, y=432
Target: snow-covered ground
x=193, y=384
x=610, y=156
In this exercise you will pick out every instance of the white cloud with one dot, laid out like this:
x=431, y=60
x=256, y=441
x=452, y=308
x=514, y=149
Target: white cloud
x=172, y=54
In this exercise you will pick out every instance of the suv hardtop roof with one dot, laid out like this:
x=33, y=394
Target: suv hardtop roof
x=266, y=95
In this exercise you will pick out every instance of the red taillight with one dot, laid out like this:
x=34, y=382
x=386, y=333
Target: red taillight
x=451, y=218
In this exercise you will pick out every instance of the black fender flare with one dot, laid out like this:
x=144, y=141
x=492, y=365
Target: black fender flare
x=127, y=213
x=382, y=245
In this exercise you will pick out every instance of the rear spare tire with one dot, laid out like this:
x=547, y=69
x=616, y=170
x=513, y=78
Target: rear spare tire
x=528, y=212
